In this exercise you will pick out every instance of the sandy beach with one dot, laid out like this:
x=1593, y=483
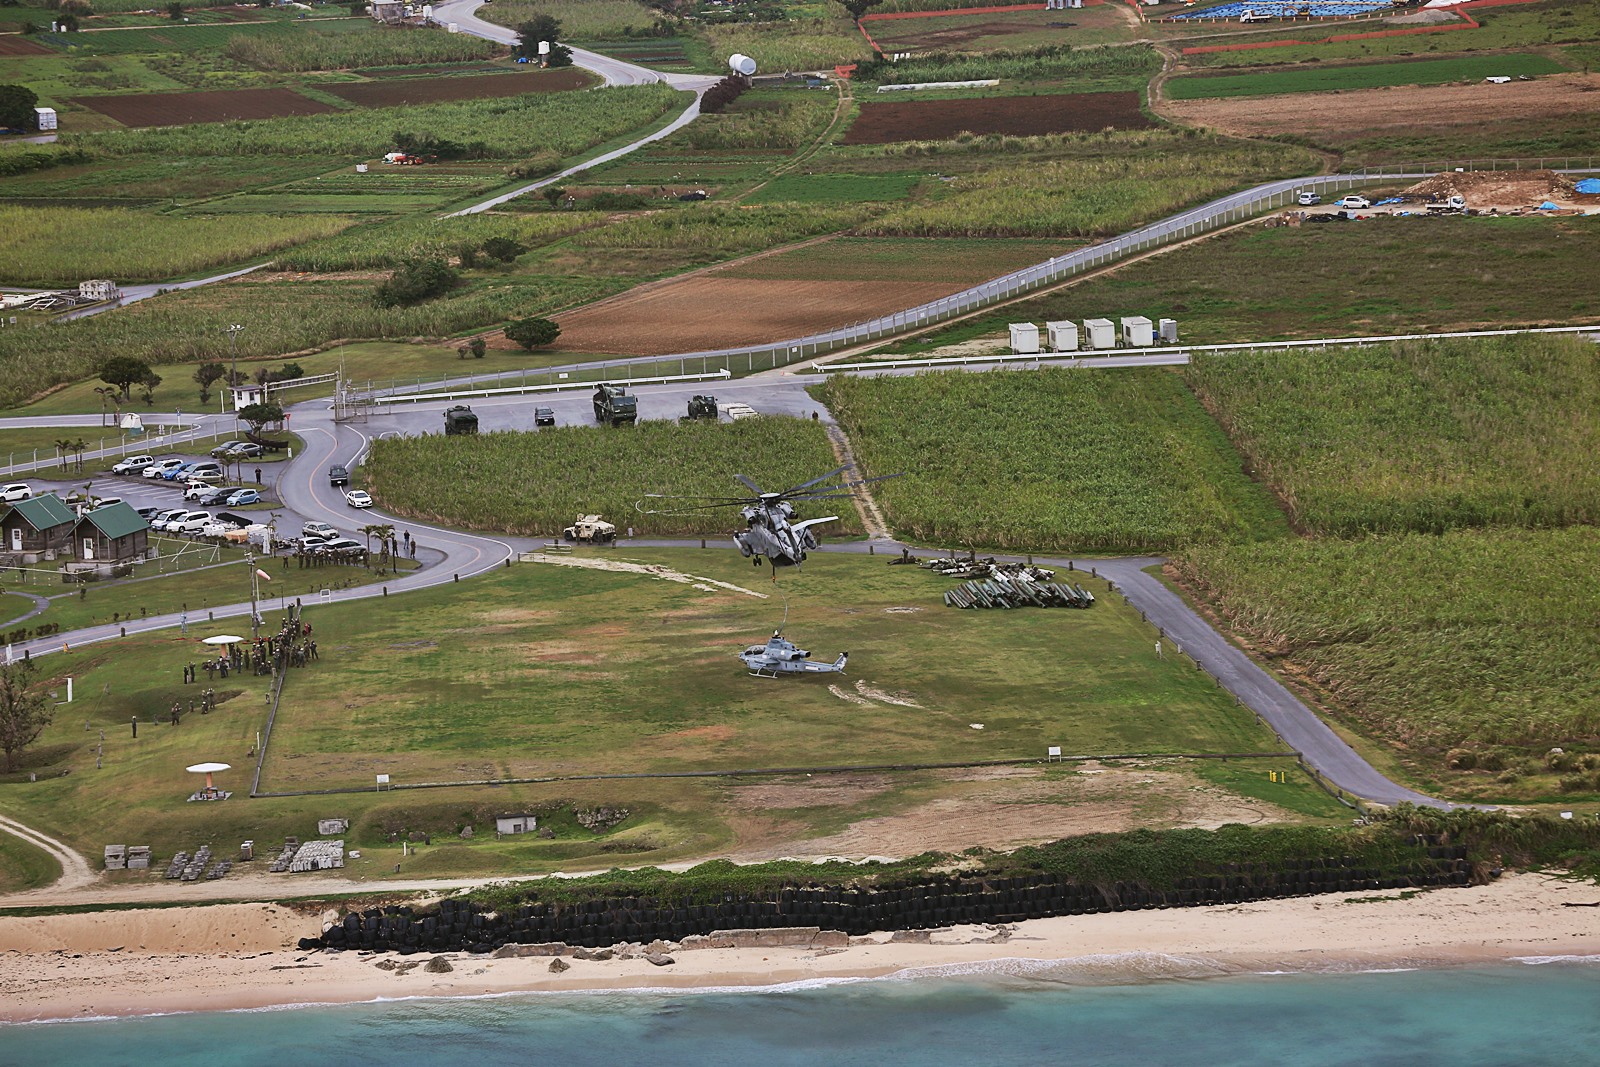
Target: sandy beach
x=236, y=956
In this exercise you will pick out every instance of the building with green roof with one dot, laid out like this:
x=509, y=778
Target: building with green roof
x=31, y=528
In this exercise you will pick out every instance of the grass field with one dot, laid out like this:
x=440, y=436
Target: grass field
x=162, y=181
x=1079, y=461
x=24, y=867
x=1335, y=281
x=1054, y=70
x=1419, y=437
x=61, y=246
x=1364, y=76
x=1472, y=639
x=567, y=470
x=836, y=188
x=1151, y=174
x=544, y=669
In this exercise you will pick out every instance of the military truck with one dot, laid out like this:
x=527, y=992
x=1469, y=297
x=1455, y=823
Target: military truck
x=701, y=407
x=459, y=420
x=591, y=529
x=613, y=406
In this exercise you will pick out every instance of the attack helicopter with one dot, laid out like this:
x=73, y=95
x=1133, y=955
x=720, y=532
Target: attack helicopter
x=781, y=656
x=770, y=531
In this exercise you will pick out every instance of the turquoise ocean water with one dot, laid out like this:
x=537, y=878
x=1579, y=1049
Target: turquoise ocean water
x=1521, y=1014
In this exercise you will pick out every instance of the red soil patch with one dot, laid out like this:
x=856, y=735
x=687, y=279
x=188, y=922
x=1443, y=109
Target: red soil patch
x=1021, y=116
x=711, y=311
x=183, y=109
x=13, y=45
x=398, y=92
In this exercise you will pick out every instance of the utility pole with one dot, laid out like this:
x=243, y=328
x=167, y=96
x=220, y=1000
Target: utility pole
x=255, y=618
x=233, y=349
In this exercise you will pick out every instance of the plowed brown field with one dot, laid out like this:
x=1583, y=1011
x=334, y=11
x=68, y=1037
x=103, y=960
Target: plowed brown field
x=1352, y=115
x=1019, y=116
x=712, y=311
x=398, y=92
x=181, y=109
x=12, y=44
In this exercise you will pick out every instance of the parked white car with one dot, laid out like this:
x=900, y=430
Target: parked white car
x=318, y=529
x=15, y=491
x=190, y=524
x=132, y=465
x=170, y=523
x=1353, y=203
x=161, y=467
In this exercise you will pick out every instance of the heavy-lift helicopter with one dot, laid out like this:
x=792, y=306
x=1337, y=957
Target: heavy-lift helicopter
x=770, y=532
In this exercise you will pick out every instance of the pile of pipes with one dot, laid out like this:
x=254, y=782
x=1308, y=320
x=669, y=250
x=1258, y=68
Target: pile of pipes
x=1021, y=589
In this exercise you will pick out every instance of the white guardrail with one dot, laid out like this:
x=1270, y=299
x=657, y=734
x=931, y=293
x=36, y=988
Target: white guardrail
x=456, y=394
x=1181, y=353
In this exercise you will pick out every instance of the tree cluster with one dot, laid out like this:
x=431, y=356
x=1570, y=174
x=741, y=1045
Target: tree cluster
x=416, y=282
x=499, y=249
x=125, y=372
x=16, y=107
x=725, y=92
x=532, y=333
x=24, y=710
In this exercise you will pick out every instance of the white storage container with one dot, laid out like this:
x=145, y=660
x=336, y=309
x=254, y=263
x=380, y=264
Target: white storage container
x=1137, y=331
x=1099, y=333
x=1062, y=336
x=1024, y=338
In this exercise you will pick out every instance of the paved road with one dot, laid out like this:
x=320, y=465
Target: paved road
x=132, y=294
x=614, y=71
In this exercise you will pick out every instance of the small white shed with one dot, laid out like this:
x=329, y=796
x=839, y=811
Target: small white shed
x=1100, y=333
x=1062, y=336
x=1169, y=331
x=1024, y=338
x=46, y=118
x=515, y=824
x=1137, y=331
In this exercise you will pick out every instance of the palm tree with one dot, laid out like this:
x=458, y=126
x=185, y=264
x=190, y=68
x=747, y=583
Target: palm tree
x=63, y=446
x=79, y=447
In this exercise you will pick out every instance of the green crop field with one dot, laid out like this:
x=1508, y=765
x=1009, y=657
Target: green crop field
x=48, y=246
x=1081, y=197
x=1063, y=69
x=217, y=38
x=836, y=188
x=778, y=119
x=581, y=20
x=1336, y=281
x=157, y=180
x=391, y=243
x=279, y=315
x=1082, y=461
x=809, y=44
x=286, y=203
x=507, y=128
x=562, y=471
x=1364, y=76
x=1475, y=639
x=1420, y=437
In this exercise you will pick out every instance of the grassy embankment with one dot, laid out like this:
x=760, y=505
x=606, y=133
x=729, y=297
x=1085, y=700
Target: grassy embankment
x=1331, y=281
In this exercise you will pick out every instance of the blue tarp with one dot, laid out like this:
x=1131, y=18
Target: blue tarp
x=1549, y=206
x=1286, y=9
x=1589, y=185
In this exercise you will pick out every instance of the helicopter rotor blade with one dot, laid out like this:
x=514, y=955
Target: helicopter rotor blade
x=748, y=484
x=814, y=481
x=687, y=509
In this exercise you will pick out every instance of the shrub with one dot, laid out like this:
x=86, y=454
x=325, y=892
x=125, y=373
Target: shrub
x=416, y=282
x=532, y=333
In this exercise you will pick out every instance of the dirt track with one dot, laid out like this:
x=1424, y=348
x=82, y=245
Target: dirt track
x=1349, y=115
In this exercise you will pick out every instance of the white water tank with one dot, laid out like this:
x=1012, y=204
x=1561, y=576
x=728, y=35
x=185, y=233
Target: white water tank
x=544, y=48
x=1099, y=333
x=1062, y=336
x=740, y=63
x=46, y=118
x=1169, y=331
x=1024, y=338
